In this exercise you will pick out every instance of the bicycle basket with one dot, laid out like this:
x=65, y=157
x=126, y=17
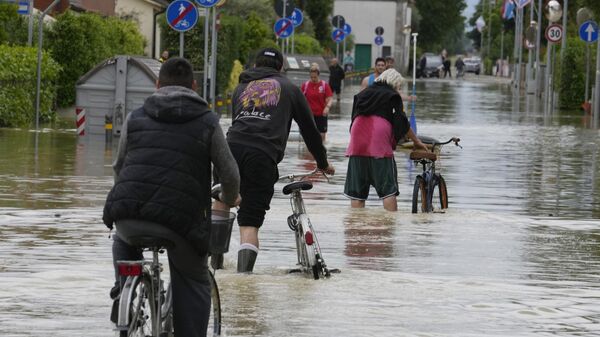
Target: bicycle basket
x=220, y=234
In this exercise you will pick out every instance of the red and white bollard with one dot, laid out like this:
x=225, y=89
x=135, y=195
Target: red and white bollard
x=80, y=112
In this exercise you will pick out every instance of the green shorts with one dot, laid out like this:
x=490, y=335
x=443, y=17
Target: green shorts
x=364, y=172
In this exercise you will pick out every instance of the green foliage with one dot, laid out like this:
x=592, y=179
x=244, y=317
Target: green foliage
x=237, y=40
x=13, y=27
x=234, y=77
x=308, y=45
x=441, y=24
x=80, y=41
x=571, y=75
x=18, y=79
x=319, y=12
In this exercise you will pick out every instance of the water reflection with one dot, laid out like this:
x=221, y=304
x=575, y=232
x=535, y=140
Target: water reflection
x=516, y=254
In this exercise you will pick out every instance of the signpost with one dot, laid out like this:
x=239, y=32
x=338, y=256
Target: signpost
x=588, y=32
x=297, y=18
x=379, y=39
x=182, y=16
x=338, y=22
x=208, y=3
x=554, y=33
x=338, y=35
x=347, y=30
x=23, y=8
x=283, y=28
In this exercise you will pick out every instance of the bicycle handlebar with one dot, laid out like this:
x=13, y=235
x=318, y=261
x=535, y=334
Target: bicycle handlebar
x=453, y=139
x=300, y=176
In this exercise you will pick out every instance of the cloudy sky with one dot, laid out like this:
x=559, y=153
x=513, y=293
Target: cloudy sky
x=470, y=8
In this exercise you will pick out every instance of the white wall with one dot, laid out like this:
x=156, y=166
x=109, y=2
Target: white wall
x=364, y=16
x=143, y=12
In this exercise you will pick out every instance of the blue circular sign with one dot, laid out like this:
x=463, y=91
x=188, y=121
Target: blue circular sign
x=182, y=15
x=338, y=35
x=378, y=40
x=207, y=3
x=588, y=31
x=283, y=28
x=347, y=29
x=296, y=17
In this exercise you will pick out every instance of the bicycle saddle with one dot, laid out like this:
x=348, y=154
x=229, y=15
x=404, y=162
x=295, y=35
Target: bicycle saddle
x=298, y=185
x=418, y=155
x=144, y=234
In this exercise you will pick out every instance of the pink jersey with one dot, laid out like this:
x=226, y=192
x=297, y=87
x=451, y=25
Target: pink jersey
x=371, y=136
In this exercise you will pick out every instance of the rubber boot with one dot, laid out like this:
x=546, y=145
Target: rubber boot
x=246, y=259
x=216, y=261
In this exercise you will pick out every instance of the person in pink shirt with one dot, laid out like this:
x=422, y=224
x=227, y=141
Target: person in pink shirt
x=378, y=123
x=319, y=96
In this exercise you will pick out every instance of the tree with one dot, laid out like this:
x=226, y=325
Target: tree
x=441, y=24
x=319, y=12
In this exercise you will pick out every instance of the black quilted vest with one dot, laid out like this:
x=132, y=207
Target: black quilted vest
x=166, y=176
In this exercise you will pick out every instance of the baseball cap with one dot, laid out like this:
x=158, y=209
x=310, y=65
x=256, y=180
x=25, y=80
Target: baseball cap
x=271, y=53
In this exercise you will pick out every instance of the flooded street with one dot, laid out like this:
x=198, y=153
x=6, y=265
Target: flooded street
x=516, y=254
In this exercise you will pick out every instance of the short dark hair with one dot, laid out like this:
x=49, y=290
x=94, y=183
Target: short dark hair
x=176, y=71
x=269, y=57
x=379, y=59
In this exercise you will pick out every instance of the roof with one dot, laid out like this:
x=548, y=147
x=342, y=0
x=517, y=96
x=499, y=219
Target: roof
x=148, y=65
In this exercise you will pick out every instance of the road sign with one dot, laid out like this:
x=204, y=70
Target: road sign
x=523, y=3
x=347, y=29
x=554, y=33
x=588, y=31
x=379, y=30
x=289, y=7
x=379, y=40
x=338, y=21
x=207, y=3
x=296, y=17
x=23, y=8
x=338, y=35
x=283, y=28
x=182, y=15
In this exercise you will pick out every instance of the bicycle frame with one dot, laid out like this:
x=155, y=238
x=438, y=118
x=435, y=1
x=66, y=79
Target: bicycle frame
x=307, y=245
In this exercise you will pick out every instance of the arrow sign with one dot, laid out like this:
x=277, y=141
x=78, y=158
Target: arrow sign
x=283, y=28
x=588, y=31
x=182, y=15
x=379, y=40
x=338, y=35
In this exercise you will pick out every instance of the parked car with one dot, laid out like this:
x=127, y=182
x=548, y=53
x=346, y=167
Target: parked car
x=473, y=65
x=433, y=65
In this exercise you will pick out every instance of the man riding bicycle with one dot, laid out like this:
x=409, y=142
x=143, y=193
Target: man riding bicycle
x=162, y=188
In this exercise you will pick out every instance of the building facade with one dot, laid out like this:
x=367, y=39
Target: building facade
x=364, y=16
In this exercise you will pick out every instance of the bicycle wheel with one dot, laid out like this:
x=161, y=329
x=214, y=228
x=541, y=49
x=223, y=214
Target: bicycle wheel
x=419, y=197
x=439, y=200
x=307, y=249
x=214, y=321
x=142, y=311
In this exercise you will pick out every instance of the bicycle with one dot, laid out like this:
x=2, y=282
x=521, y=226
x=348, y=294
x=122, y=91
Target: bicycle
x=430, y=187
x=308, y=249
x=145, y=306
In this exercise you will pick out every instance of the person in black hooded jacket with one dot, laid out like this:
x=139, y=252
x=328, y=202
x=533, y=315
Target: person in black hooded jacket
x=378, y=124
x=163, y=186
x=264, y=104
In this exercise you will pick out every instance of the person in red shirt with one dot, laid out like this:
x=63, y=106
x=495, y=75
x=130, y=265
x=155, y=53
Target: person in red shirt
x=319, y=95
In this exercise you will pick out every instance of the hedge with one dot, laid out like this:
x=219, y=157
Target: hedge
x=18, y=79
x=81, y=41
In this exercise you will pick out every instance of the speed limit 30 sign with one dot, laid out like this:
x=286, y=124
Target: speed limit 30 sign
x=554, y=33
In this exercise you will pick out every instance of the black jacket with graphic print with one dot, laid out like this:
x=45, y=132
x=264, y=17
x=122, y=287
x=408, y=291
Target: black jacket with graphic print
x=264, y=104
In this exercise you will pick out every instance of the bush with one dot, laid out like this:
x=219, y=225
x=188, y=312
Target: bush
x=18, y=79
x=307, y=45
x=13, y=27
x=234, y=77
x=571, y=74
x=79, y=42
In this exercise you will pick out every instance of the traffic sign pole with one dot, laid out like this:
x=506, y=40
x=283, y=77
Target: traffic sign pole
x=413, y=119
x=213, y=59
x=181, y=37
x=205, y=72
x=597, y=89
x=30, y=24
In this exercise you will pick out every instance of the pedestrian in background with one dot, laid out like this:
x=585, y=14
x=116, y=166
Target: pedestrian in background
x=348, y=62
x=379, y=68
x=378, y=124
x=336, y=76
x=389, y=62
x=319, y=97
x=164, y=56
